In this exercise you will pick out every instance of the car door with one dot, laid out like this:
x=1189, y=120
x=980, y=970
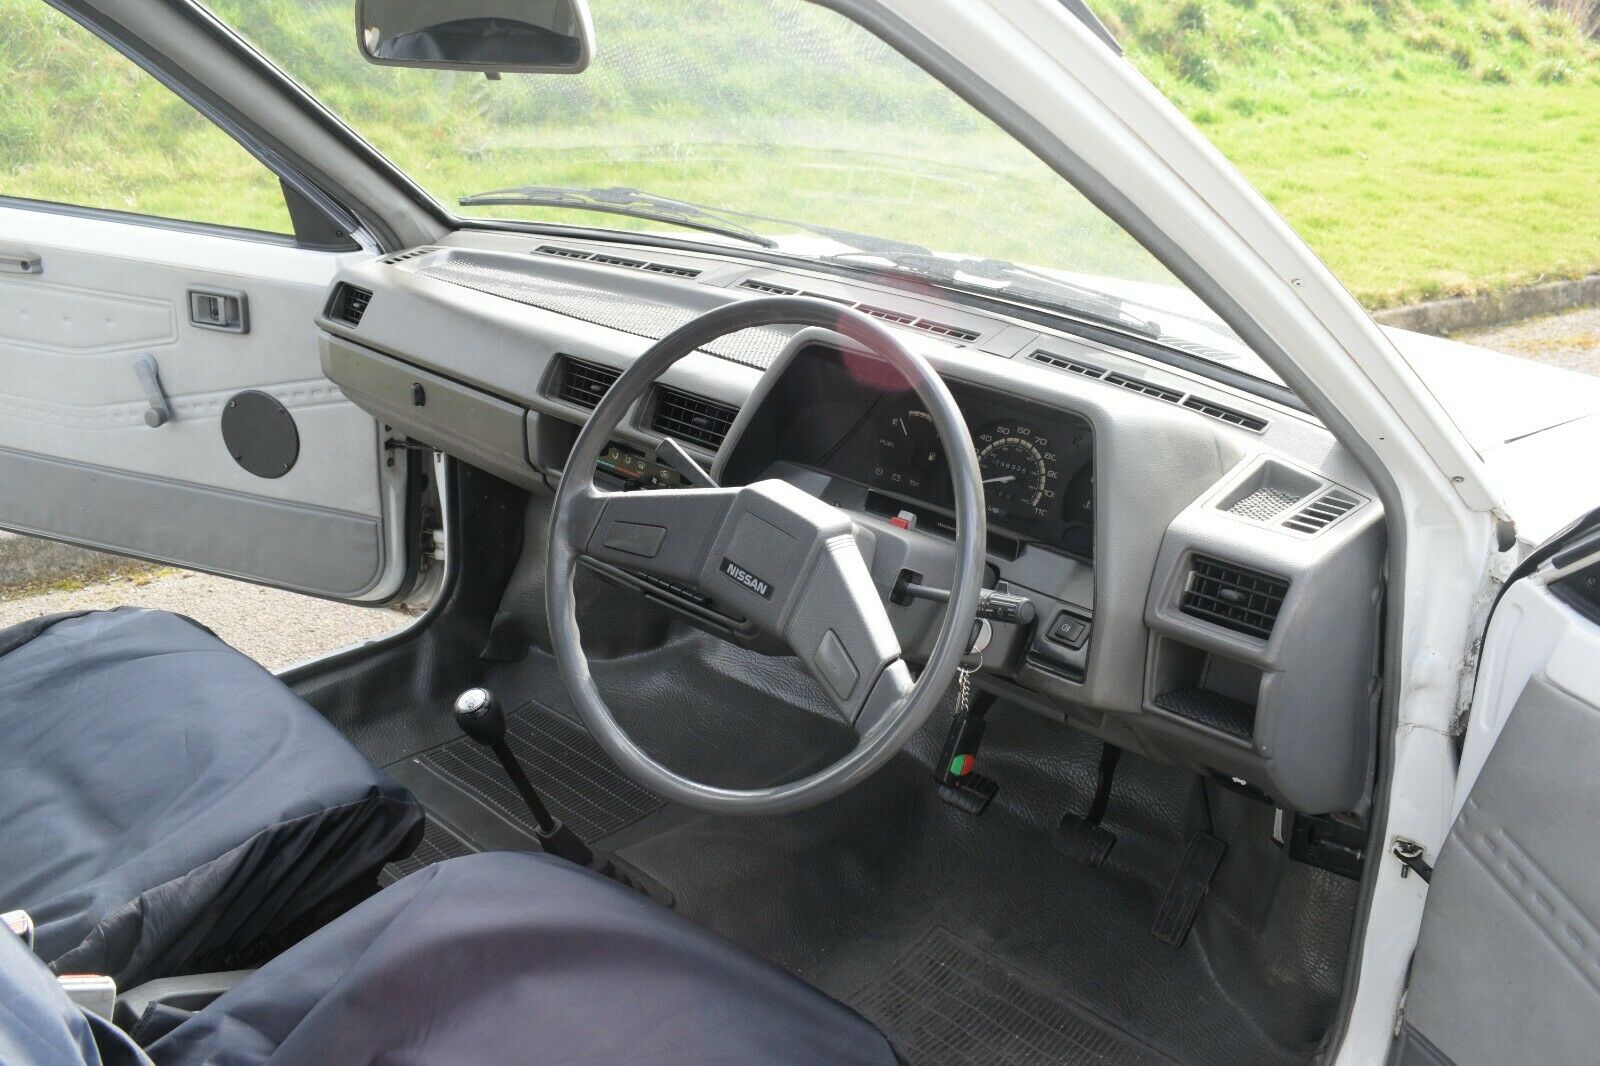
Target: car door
x=1508, y=965
x=160, y=387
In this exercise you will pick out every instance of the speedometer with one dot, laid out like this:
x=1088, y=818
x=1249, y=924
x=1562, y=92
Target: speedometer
x=1019, y=470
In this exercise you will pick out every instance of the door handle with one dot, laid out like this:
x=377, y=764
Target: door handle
x=160, y=411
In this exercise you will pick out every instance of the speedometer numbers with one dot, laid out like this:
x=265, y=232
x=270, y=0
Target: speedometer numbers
x=1018, y=463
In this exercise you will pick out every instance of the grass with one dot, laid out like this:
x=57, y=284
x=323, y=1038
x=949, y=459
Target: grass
x=1422, y=147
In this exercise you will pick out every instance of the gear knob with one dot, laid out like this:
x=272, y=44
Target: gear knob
x=479, y=715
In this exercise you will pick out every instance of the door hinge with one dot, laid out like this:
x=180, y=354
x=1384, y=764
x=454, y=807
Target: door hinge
x=1410, y=853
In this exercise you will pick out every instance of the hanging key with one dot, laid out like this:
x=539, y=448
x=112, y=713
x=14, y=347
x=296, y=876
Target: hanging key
x=960, y=784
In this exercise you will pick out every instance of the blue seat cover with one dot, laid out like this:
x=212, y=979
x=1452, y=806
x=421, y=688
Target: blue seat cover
x=168, y=806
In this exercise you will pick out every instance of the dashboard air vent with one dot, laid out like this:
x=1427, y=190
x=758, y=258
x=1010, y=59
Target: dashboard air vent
x=607, y=259
x=955, y=333
x=1322, y=512
x=1062, y=362
x=1123, y=381
x=887, y=315
x=348, y=303
x=583, y=383
x=687, y=417
x=401, y=257
x=1225, y=414
x=768, y=287
x=1245, y=601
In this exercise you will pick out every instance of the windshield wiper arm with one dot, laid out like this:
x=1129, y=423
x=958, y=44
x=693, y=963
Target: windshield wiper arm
x=1015, y=281
x=620, y=201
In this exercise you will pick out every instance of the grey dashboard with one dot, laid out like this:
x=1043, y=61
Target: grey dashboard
x=1205, y=565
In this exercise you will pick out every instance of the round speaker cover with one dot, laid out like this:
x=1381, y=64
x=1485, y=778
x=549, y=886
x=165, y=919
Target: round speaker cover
x=260, y=434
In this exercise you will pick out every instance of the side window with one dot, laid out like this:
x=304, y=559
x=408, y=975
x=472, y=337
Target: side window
x=83, y=125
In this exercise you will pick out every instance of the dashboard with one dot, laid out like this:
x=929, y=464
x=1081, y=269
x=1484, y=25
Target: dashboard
x=1203, y=565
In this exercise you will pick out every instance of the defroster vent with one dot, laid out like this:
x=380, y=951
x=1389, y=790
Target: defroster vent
x=1322, y=512
x=583, y=383
x=695, y=419
x=348, y=303
x=1245, y=601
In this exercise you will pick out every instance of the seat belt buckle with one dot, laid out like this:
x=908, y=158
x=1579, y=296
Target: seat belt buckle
x=20, y=923
x=93, y=992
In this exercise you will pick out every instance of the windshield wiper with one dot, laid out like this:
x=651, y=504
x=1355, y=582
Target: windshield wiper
x=1019, y=282
x=621, y=201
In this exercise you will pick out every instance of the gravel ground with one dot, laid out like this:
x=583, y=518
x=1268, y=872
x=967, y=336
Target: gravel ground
x=1571, y=340
x=280, y=628
x=272, y=627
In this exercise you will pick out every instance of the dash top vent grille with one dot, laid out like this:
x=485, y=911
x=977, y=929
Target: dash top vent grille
x=1322, y=512
x=1123, y=381
x=607, y=259
x=401, y=257
x=691, y=418
x=348, y=303
x=1063, y=363
x=583, y=383
x=959, y=334
x=1233, y=597
x=1225, y=414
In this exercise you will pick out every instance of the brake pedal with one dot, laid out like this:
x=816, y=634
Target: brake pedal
x=1081, y=837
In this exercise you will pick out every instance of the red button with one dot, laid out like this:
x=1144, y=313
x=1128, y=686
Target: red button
x=903, y=523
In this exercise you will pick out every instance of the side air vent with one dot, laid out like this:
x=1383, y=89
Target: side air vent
x=1225, y=414
x=1245, y=601
x=887, y=315
x=768, y=287
x=1322, y=512
x=607, y=259
x=691, y=418
x=940, y=329
x=1062, y=362
x=348, y=303
x=583, y=383
x=1123, y=381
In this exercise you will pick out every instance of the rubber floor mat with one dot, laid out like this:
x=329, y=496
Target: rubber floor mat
x=437, y=845
x=578, y=781
x=947, y=1001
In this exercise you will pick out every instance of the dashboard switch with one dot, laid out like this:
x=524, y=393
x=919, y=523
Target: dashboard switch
x=1070, y=631
x=904, y=520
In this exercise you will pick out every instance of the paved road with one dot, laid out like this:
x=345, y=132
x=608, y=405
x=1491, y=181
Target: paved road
x=279, y=628
x=274, y=628
x=1571, y=340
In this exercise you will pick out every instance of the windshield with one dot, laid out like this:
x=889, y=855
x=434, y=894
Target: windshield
x=761, y=121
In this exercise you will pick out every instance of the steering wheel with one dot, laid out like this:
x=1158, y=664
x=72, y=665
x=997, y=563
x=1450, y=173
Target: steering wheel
x=774, y=555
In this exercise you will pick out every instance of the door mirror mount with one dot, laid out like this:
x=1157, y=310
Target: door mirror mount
x=489, y=36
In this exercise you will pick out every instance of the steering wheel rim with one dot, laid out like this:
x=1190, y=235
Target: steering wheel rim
x=580, y=508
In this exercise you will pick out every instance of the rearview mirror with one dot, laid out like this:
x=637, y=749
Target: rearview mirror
x=492, y=36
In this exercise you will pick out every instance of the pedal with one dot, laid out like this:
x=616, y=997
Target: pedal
x=971, y=793
x=1085, y=843
x=626, y=873
x=1081, y=837
x=1187, y=889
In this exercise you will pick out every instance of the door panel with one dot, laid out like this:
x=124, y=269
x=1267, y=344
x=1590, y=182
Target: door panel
x=79, y=462
x=1508, y=965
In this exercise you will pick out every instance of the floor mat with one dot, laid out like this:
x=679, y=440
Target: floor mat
x=438, y=844
x=947, y=1001
x=577, y=780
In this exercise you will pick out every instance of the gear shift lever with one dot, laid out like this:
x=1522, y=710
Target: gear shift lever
x=480, y=717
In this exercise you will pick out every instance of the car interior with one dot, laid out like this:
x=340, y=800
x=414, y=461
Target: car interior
x=701, y=521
